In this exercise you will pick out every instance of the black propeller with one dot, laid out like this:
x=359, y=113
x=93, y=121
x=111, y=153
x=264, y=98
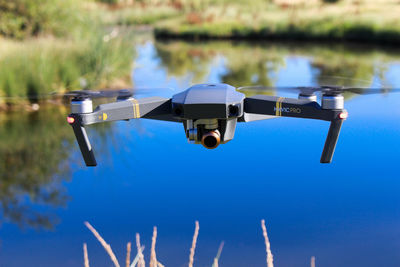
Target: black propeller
x=123, y=93
x=328, y=85
x=99, y=94
x=92, y=94
x=325, y=89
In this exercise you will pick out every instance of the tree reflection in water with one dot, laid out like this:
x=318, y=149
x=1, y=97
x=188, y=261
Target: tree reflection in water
x=249, y=63
x=33, y=152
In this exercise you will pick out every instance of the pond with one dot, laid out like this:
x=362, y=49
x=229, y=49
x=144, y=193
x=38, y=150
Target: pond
x=345, y=214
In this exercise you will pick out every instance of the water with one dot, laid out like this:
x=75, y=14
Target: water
x=345, y=213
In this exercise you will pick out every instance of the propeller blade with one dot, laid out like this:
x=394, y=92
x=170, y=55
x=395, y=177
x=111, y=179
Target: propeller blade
x=113, y=93
x=370, y=91
x=324, y=89
x=90, y=94
x=306, y=90
x=328, y=85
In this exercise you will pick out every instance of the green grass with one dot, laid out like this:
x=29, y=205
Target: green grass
x=347, y=20
x=56, y=46
x=24, y=18
x=138, y=15
x=39, y=66
x=314, y=30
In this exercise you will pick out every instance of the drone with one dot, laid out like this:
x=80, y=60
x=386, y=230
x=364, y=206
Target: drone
x=210, y=112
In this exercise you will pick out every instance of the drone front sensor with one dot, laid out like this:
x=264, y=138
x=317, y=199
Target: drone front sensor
x=209, y=113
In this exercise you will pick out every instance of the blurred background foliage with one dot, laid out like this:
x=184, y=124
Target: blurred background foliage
x=55, y=46
x=32, y=165
x=24, y=18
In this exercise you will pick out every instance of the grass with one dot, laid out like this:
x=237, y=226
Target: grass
x=347, y=20
x=40, y=66
x=21, y=19
x=138, y=14
x=57, y=46
x=139, y=259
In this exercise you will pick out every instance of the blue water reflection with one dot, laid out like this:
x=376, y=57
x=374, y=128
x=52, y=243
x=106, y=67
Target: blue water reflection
x=346, y=213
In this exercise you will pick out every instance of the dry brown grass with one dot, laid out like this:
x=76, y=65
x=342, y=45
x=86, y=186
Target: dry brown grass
x=106, y=246
x=85, y=256
x=139, y=259
x=312, y=264
x=128, y=254
x=141, y=262
x=194, y=241
x=270, y=258
x=153, y=258
x=216, y=259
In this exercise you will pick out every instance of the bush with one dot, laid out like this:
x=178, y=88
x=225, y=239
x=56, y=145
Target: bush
x=40, y=66
x=330, y=1
x=23, y=18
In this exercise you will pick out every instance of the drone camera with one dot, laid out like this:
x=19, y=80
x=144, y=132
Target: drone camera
x=211, y=139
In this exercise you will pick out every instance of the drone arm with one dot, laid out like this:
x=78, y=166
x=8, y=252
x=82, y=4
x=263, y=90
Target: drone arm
x=83, y=142
x=299, y=108
x=331, y=141
x=287, y=107
x=151, y=108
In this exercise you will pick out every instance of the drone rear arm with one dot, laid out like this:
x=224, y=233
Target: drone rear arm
x=151, y=108
x=298, y=108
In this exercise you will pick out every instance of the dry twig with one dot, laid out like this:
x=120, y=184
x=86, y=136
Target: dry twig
x=141, y=262
x=153, y=258
x=128, y=254
x=136, y=259
x=194, y=241
x=85, y=256
x=312, y=261
x=221, y=246
x=106, y=246
x=270, y=257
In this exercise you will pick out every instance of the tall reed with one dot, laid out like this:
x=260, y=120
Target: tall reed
x=270, y=259
x=106, y=246
x=194, y=241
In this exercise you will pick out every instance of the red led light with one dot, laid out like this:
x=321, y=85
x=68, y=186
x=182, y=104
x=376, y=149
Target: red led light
x=70, y=120
x=343, y=115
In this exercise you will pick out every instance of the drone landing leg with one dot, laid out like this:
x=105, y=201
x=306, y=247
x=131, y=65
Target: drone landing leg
x=331, y=140
x=84, y=144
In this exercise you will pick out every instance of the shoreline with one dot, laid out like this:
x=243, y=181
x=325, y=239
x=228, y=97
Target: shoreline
x=353, y=35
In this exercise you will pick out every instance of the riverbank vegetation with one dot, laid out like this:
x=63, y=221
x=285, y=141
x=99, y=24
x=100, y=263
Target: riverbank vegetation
x=57, y=46
x=334, y=20
x=139, y=259
x=345, y=20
